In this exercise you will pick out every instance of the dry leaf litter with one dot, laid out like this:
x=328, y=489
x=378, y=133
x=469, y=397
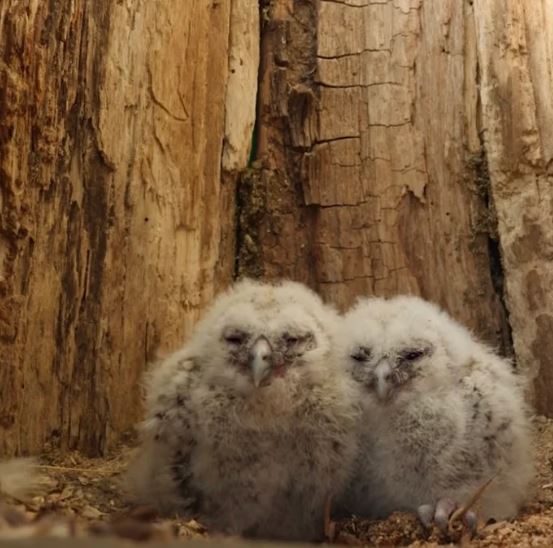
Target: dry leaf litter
x=81, y=497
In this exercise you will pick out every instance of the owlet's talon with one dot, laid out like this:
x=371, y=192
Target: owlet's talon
x=470, y=521
x=425, y=513
x=439, y=514
x=444, y=508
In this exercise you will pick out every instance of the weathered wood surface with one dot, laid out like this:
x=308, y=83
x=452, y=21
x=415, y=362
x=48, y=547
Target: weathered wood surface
x=98, y=542
x=392, y=191
x=115, y=227
x=407, y=148
x=515, y=56
x=403, y=146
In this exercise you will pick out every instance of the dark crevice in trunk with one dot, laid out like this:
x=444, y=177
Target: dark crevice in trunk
x=497, y=273
x=249, y=189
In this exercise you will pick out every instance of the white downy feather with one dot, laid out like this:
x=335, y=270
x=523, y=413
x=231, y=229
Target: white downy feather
x=20, y=478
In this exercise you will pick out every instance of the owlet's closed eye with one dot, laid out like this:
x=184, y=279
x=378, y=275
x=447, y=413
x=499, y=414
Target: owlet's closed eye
x=361, y=354
x=413, y=354
x=235, y=336
x=291, y=339
x=298, y=341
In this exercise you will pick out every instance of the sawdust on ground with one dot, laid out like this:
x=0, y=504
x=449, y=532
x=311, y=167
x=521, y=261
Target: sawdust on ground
x=83, y=497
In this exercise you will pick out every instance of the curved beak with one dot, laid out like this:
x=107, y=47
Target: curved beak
x=260, y=360
x=383, y=373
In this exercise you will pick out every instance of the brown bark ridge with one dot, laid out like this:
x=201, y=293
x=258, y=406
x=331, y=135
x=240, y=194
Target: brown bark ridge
x=372, y=178
x=115, y=227
x=515, y=56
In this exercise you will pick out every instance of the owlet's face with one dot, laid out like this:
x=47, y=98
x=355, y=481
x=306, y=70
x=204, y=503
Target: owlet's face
x=392, y=350
x=260, y=343
x=385, y=370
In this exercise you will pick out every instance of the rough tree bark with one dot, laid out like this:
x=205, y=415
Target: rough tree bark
x=370, y=127
x=515, y=56
x=405, y=146
x=115, y=228
x=402, y=146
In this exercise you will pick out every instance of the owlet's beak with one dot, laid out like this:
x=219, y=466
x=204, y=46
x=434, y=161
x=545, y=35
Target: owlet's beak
x=260, y=360
x=383, y=373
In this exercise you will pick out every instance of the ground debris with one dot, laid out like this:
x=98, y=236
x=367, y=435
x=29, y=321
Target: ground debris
x=81, y=497
x=399, y=529
x=533, y=527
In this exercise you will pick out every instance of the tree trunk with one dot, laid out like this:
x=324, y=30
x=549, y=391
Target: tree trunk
x=405, y=146
x=370, y=128
x=515, y=56
x=115, y=228
x=401, y=146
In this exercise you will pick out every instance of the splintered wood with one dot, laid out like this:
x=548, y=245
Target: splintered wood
x=410, y=149
x=515, y=55
x=377, y=155
x=115, y=227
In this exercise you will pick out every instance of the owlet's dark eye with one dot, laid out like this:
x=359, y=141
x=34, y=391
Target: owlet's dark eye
x=412, y=355
x=291, y=339
x=235, y=337
x=361, y=355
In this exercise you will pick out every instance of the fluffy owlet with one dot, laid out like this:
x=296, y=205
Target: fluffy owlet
x=442, y=414
x=251, y=424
